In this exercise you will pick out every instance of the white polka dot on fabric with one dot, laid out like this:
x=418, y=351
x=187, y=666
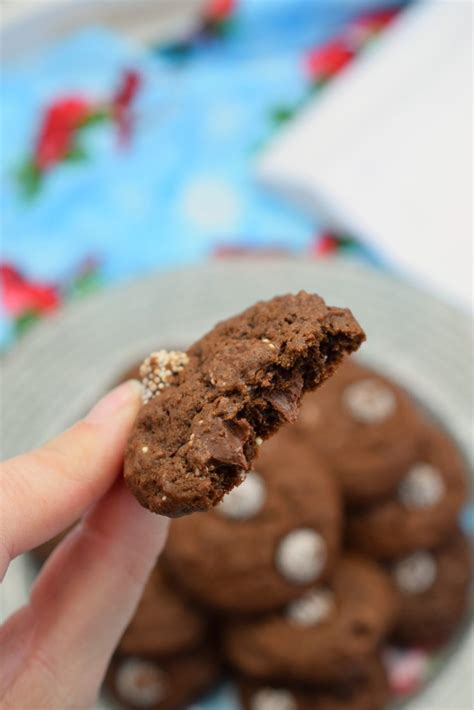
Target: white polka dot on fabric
x=273, y=699
x=312, y=608
x=301, y=556
x=369, y=401
x=416, y=573
x=422, y=487
x=209, y=202
x=140, y=682
x=244, y=501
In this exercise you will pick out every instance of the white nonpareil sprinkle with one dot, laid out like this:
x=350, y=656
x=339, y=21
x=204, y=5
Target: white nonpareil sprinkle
x=422, y=487
x=312, y=608
x=301, y=556
x=369, y=401
x=140, y=683
x=416, y=573
x=158, y=369
x=244, y=501
x=273, y=699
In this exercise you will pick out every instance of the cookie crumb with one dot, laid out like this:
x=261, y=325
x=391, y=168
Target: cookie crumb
x=157, y=370
x=269, y=343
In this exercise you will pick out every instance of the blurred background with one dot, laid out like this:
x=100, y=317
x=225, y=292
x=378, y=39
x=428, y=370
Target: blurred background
x=164, y=163
x=150, y=135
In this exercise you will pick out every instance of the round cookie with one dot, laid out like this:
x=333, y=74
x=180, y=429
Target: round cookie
x=164, y=622
x=366, y=428
x=434, y=591
x=143, y=683
x=205, y=409
x=368, y=693
x=426, y=505
x=326, y=636
x=268, y=540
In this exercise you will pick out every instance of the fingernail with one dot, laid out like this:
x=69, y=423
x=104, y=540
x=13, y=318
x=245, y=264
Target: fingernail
x=121, y=396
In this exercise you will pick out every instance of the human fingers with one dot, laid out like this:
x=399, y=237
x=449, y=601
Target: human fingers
x=48, y=489
x=80, y=605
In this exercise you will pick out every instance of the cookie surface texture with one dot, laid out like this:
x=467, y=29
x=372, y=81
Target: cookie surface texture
x=205, y=410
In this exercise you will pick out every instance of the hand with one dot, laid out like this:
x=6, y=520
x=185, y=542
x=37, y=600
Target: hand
x=55, y=651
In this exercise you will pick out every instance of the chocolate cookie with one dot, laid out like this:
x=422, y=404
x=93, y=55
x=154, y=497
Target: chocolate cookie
x=366, y=428
x=425, y=507
x=205, y=410
x=326, y=636
x=139, y=682
x=368, y=693
x=268, y=540
x=164, y=622
x=434, y=591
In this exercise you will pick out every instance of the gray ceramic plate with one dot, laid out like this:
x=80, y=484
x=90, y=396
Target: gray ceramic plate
x=63, y=365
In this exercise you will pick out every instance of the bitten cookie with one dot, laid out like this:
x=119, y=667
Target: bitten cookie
x=368, y=693
x=205, y=410
x=366, y=428
x=425, y=507
x=164, y=622
x=268, y=540
x=141, y=682
x=326, y=636
x=434, y=591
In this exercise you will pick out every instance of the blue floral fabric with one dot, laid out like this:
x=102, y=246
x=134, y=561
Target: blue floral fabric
x=183, y=186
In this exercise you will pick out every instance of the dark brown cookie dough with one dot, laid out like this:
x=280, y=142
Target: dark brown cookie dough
x=425, y=507
x=164, y=622
x=143, y=683
x=434, y=588
x=368, y=693
x=367, y=429
x=194, y=441
x=268, y=540
x=326, y=636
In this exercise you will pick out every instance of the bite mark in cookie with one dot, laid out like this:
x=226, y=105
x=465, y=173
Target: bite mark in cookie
x=196, y=439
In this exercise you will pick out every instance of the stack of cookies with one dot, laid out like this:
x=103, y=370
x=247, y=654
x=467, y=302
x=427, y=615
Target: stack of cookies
x=343, y=538
x=403, y=482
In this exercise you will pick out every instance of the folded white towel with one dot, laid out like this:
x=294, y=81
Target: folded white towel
x=386, y=151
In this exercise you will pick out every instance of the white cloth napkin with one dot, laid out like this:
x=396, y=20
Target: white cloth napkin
x=386, y=151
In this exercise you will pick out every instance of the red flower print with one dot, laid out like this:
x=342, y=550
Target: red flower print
x=19, y=295
x=128, y=89
x=327, y=59
x=376, y=20
x=366, y=27
x=324, y=244
x=63, y=124
x=122, y=102
x=57, y=132
x=218, y=10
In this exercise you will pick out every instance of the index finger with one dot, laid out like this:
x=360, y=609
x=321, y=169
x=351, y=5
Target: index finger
x=44, y=491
